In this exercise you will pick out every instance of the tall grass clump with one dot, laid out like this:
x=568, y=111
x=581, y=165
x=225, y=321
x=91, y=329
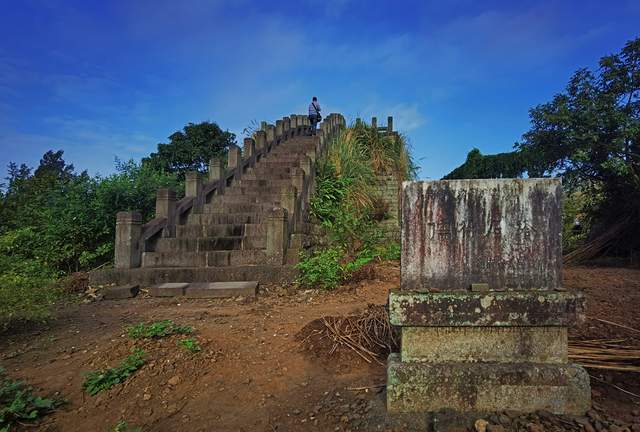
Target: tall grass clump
x=345, y=203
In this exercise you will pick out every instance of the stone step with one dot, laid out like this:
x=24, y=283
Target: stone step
x=269, y=178
x=221, y=289
x=152, y=276
x=269, y=172
x=203, y=259
x=258, y=190
x=223, y=230
x=225, y=218
x=238, y=207
x=206, y=244
x=254, y=197
x=279, y=163
x=251, y=183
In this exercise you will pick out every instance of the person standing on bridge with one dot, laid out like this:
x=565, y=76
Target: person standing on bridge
x=314, y=114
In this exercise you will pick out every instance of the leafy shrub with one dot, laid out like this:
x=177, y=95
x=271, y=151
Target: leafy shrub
x=321, y=269
x=156, y=330
x=104, y=379
x=18, y=404
x=190, y=344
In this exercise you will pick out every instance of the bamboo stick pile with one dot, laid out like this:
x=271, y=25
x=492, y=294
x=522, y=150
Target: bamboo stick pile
x=610, y=354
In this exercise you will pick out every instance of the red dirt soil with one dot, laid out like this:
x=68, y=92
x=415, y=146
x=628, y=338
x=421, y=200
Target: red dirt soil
x=252, y=374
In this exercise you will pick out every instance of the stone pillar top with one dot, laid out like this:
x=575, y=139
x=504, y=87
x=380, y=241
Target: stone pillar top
x=131, y=217
x=499, y=234
x=166, y=194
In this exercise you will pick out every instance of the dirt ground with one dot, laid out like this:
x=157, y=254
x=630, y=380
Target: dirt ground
x=252, y=374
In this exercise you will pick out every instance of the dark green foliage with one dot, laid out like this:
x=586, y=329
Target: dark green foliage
x=18, y=403
x=321, y=269
x=190, y=344
x=100, y=380
x=191, y=149
x=479, y=166
x=156, y=330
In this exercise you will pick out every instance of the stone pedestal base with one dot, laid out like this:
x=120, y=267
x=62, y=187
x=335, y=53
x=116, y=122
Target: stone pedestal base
x=486, y=387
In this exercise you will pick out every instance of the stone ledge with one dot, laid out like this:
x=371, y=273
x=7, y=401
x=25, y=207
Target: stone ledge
x=486, y=387
x=493, y=308
x=484, y=344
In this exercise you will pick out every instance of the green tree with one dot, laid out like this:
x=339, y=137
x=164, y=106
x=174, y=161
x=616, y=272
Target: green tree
x=590, y=134
x=191, y=149
x=501, y=165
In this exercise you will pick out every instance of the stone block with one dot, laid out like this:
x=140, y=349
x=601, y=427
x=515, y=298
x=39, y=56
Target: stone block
x=169, y=289
x=483, y=345
x=503, y=232
x=222, y=289
x=482, y=387
x=121, y=292
x=493, y=308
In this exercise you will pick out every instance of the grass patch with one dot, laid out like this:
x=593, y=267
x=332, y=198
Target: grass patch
x=157, y=330
x=18, y=404
x=104, y=379
x=190, y=344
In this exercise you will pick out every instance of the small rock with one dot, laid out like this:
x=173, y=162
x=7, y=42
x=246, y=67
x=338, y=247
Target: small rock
x=146, y=396
x=636, y=427
x=586, y=424
x=532, y=427
x=296, y=411
x=174, y=381
x=495, y=428
x=344, y=419
x=636, y=412
x=481, y=425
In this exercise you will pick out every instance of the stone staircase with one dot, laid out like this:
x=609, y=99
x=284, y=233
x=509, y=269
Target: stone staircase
x=244, y=223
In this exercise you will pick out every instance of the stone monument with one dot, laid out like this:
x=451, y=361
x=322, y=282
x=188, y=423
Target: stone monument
x=481, y=308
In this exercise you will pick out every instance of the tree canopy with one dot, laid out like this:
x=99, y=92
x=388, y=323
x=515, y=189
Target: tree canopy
x=590, y=135
x=191, y=149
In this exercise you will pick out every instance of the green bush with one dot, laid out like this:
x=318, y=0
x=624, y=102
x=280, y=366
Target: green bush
x=156, y=330
x=104, y=379
x=321, y=269
x=123, y=426
x=19, y=405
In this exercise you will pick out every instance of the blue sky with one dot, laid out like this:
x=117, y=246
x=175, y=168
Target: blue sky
x=101, y=79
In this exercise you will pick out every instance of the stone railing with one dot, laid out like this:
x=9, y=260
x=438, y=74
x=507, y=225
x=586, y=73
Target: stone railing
x=133, y=238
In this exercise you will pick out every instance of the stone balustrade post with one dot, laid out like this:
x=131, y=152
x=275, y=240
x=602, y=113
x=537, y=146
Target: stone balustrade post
x=297, y=179
x=166, y=208
x=374, y=123
x=233, y=157
x=271, y=133
x=286, y=125
x=288, y=195
x=192, y=184
x=249, y=148
x=215, y=169
x=128, y=234
x=279, y=125
x=293, y=118
x=261, y=140
x=263, y=125
x=389, y=124
x=277, y=235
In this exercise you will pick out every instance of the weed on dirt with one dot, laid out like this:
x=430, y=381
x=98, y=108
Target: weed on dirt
x=123, y=426
x=190, y=344
x=156, y=330
x=18, y=404
x=104, y=379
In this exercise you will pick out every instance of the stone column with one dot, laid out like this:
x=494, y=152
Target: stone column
x=166, y=208
x=271, y=133
x=192, y=184
x=261, y=140
x=297, y=179
x=263, y=125
x=128, y=234
x=249, y=148
x=294, y=121
x=279, y=126
x=215, y=169
x=277, y=235
x=481, y=309
x=286, y=126
x=233, y=157
x=288, y=197
x=374, y=123
x=389, y=124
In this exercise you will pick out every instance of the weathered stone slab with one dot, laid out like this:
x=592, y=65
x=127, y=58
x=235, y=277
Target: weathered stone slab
x=493, y=308
x=481, y=387
x=502, y=232
x=222, y=289
x=121, y=292
x=169, y=289
x=482, y=344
